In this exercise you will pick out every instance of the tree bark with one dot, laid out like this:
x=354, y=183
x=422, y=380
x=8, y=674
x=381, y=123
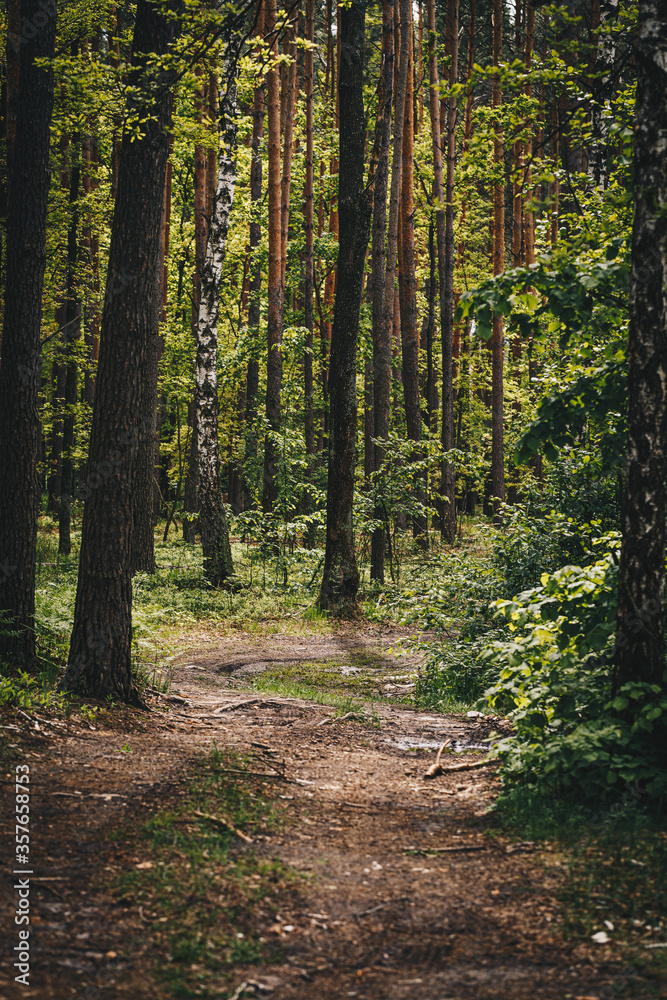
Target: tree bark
x=395, y=190
x=444, y=227
x=28, y=189
x=274, y=364
x=291, y=81
x=497, y=339
x=309, y=221
x=71, y=334
x=381, y=331
x=407, y=284
x=190, y=499
x=91, y=250
x=640, y=633
x=528, y=216
x=252, y=374
x=100, y=650
x=331, y=277
x=218, y=565
x=340, y=581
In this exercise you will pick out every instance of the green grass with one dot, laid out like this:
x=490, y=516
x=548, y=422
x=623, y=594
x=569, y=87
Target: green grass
x=320, y=686
x=200, y=887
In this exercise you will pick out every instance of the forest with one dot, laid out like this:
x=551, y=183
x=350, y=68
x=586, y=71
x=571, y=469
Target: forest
x=336, y=320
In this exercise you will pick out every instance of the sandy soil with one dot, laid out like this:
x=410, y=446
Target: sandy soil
x=478, y=919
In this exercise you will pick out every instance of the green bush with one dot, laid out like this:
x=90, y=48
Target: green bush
x=554, y=683
x=535, y=541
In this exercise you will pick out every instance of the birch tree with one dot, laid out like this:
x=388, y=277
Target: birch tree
x=218, y=565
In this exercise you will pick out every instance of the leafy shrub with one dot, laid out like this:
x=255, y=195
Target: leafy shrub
x=458, y=606
x=20, y=689
x=535, y=541
x=554, y=682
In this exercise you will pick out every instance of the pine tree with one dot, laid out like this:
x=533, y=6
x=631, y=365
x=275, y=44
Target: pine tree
x=100, y=649
x=28, y=190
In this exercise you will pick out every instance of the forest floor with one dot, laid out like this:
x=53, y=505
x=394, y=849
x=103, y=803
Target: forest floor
x=327, y=867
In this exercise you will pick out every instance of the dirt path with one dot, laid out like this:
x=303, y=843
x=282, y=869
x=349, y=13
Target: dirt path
x=477, y=919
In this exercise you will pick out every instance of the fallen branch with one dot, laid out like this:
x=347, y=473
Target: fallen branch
x=221, y=821
x=470, y=767
x=446, y=850
x=436, y=769
x=330, y=719
x=233, y=705
x=381, y=906
x=253, y=774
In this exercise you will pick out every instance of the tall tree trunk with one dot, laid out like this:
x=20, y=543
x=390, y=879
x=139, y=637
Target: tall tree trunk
x=395, y=190
x=497, y=339
x=432, y=401
x=331, y=278
x=382, y=331
x=291, y=83
x=391, y=299
x=309, y=221
x=160, y=476
x=340, y=581
x=214, y=529
x=274, y=362
x=528, y=216
x=28, y=184
x=145, y=470
x=100, y=650
x=447, y=510
x=59, y=362
x=190, y=499
x=55, y=437
x=640, y=633
x=91, y=319
x=71, y=335
x=407, y=284
x=143, y=529
x=447, y=291
x=517, y=156
x=252, y=374
x=605, y=13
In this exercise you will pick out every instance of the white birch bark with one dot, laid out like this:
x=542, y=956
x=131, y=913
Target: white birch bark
x=601, y=113
x=218, y=565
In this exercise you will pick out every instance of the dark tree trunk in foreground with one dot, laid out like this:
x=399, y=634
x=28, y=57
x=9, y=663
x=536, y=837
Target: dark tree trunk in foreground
x=143, y=479
x=341, y=577
x=100, y=651
x=640, y=634
x=20, y=370
x=212, y=518
x=381, y=332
